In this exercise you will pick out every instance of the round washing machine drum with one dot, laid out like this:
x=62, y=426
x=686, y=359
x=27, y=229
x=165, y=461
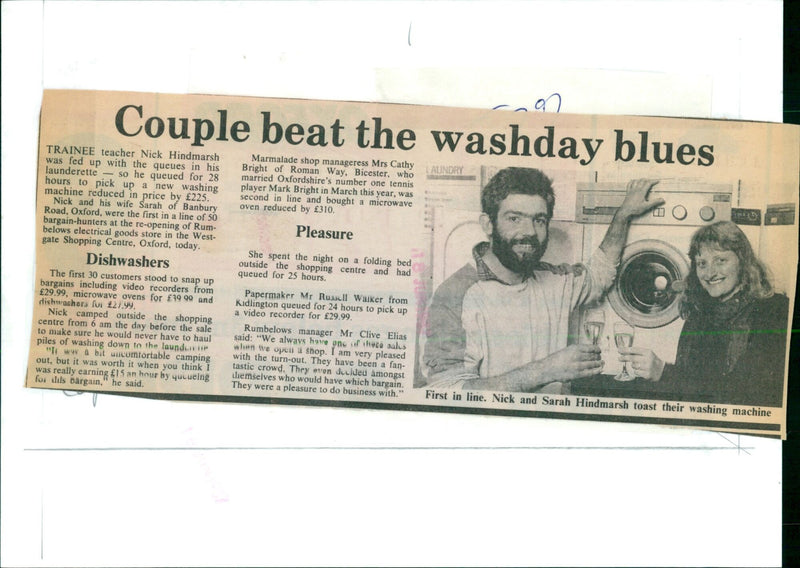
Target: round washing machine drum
x=649, y=284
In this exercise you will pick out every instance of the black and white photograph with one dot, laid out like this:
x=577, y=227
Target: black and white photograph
x=648, y=289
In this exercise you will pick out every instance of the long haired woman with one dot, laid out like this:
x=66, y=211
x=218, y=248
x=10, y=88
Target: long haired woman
x=732, y=348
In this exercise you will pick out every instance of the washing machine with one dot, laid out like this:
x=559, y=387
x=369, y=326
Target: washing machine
x=654, y=262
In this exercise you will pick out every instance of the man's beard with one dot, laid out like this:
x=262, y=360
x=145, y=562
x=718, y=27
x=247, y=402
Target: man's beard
x=523, y=264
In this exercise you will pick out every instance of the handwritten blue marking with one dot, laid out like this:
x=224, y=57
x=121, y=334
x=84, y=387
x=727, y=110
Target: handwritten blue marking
x=78, y=393
x=540, y=105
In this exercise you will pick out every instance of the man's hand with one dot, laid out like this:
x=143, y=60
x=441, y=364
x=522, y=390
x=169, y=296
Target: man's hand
x=636, y=202
x=645, y=363
x=572, y=362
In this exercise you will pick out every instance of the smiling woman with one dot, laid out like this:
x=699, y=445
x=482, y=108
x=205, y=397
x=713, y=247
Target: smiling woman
x=717, y=271
x=733, y=345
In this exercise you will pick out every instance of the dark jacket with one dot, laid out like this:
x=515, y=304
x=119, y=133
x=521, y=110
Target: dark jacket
x=733, y=353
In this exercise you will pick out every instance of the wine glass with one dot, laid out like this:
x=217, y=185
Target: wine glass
x=593, y=325
x=623, y=337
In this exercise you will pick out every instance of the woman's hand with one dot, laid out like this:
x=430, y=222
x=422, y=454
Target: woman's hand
x=645, y=363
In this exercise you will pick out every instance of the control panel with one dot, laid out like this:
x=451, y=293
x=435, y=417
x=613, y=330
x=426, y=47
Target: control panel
x=597, y=204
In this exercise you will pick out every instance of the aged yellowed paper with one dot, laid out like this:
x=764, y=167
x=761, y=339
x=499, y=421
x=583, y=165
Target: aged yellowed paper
x=412, y=257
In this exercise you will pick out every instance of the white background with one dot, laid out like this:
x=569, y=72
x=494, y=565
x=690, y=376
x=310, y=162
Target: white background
x=142, y=482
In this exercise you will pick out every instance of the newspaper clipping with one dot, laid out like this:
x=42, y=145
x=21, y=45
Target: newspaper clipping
x=420, y=258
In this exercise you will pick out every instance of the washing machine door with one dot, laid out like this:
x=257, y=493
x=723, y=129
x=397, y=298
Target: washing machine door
x=649, y=284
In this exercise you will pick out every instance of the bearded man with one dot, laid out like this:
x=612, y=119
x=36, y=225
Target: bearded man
x=502, y=322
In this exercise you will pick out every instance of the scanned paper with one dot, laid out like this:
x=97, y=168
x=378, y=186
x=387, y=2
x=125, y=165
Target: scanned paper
x=412, y=257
